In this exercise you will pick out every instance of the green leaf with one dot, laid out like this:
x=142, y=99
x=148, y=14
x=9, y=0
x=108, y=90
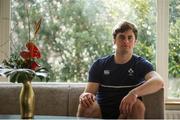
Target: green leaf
x=13, y=77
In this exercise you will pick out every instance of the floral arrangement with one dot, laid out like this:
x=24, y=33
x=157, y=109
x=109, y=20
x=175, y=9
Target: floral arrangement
x=24, y=66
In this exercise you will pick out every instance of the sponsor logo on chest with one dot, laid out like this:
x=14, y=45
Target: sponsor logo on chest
x=106, y=72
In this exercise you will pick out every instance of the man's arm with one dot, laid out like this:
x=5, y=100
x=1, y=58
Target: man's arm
x=88, y=96
x=154, y=82
x=92, y=87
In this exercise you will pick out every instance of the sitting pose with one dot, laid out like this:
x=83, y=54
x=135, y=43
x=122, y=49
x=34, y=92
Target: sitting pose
x=117, y=82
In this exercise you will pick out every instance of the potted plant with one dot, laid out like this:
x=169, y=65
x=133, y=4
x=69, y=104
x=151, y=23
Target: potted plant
x=22, y=68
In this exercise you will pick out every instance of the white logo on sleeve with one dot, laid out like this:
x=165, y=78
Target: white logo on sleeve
x=130, y=72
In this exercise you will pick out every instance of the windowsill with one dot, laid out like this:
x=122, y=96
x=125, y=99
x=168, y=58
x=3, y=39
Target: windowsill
x=172, y=105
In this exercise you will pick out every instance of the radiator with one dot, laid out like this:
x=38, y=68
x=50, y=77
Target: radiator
x=172, y=114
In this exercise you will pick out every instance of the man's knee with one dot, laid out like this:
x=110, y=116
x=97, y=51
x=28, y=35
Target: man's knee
x=91, y=112
x=139, y=107
x=138, y=110
x=83, y=111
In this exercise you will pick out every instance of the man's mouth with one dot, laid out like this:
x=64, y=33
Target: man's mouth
x=125, y=46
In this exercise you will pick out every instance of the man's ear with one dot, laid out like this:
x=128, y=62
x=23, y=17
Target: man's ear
x=136, y=41
x=113, y=41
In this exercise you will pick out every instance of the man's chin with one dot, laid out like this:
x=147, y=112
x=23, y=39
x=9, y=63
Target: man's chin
x=122, y=52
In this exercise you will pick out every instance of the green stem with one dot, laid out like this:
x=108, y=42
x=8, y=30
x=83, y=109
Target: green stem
x=29, y=37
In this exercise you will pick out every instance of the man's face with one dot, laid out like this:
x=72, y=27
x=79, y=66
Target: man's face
x=125, y=41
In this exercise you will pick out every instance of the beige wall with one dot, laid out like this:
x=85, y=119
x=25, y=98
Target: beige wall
x=4, y=28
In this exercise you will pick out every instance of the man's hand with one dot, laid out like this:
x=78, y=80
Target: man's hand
x=87, y=99
x=127, y=103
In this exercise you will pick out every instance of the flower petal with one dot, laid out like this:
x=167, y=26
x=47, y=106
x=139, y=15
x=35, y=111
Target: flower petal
x=34, y=65
x=35, y=54
x=25, y=55
x=31, y=46
x=34, y=51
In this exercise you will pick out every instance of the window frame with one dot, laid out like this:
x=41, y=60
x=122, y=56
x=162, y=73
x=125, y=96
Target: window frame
x=162, y=48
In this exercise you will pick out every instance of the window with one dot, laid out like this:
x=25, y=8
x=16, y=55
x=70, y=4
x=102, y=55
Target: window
x=174, y=50
x=76, y=32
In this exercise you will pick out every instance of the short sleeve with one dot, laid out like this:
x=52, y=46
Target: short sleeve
x=145, y=67
x=95, y=72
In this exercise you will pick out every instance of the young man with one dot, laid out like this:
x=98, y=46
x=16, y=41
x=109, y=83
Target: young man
x=117, y=82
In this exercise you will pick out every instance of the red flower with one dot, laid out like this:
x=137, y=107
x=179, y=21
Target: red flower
x=33, y=51
x=34, y=65
x=30, y=54
x=25, y=54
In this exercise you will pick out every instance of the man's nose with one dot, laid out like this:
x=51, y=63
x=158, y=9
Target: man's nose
x=126, y=40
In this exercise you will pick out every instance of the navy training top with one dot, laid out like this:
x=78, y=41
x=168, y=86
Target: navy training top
x=116, y=80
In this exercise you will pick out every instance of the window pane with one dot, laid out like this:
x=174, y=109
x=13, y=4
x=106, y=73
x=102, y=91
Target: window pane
x=76, y=32
x=174, y=50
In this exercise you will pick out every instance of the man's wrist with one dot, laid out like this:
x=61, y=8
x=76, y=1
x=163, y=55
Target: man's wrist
x=133, y=93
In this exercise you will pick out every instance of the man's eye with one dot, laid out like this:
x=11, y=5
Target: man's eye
x=122, y=37
x=129, y=38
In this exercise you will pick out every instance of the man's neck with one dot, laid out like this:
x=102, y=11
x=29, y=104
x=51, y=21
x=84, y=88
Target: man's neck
x=122, y=58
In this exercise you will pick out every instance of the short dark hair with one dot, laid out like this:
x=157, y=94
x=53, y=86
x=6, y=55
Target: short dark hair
x=123, y=27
